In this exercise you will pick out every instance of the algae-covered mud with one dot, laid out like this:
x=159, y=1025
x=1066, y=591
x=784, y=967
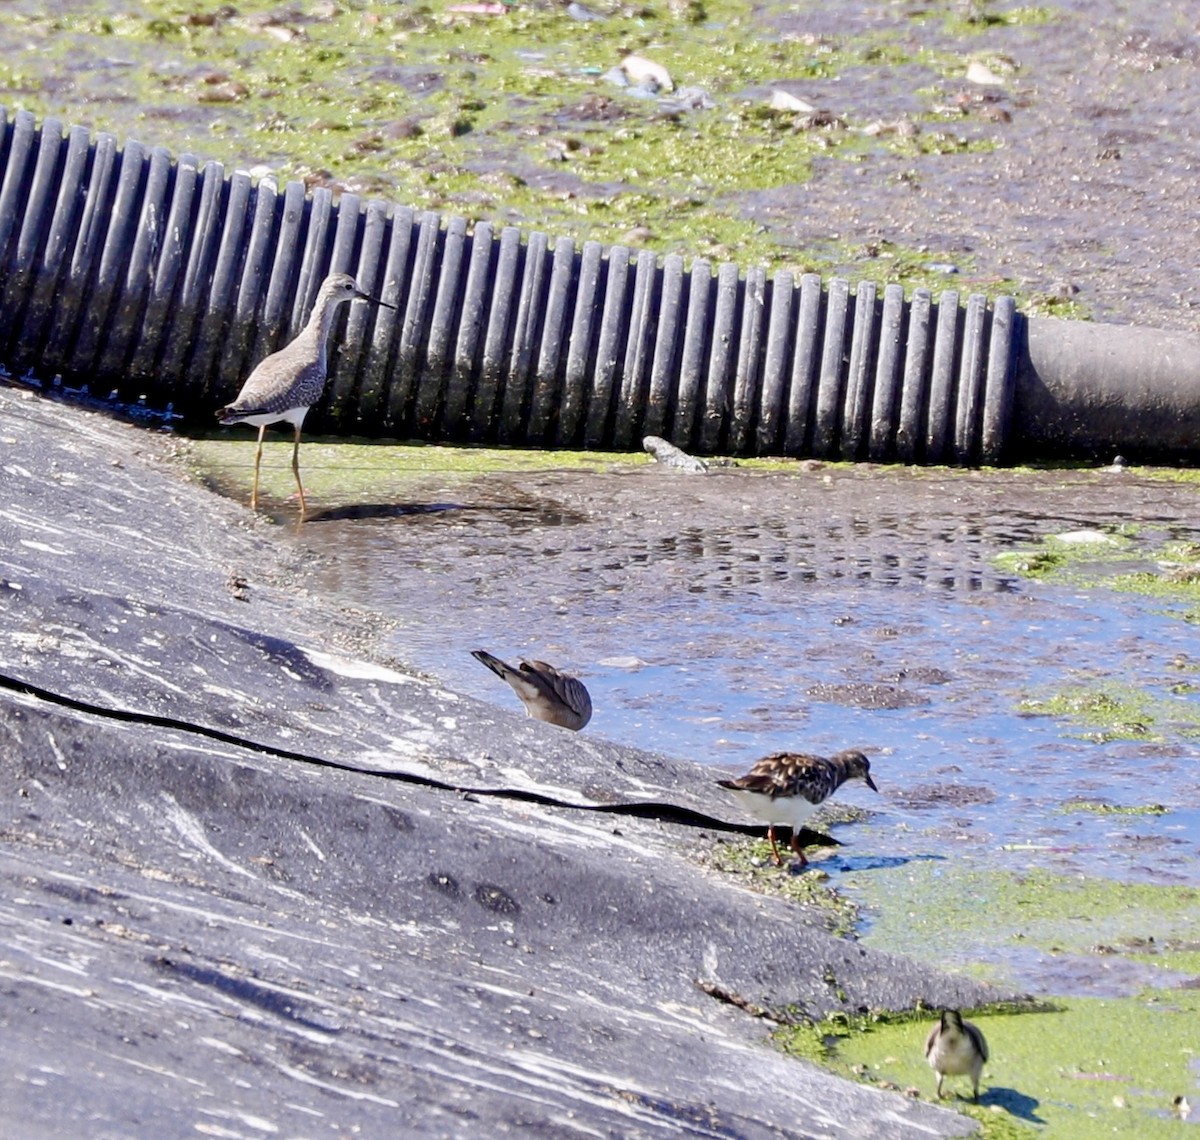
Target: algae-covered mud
x=1033, y=735
x=1091, y=1067
x=991, y=145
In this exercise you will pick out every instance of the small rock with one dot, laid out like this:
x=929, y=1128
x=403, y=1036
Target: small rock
x=671, y=456
x=982, y=74
x=581, y=12
x=1085, y=537
x=691, y=99
x=643, y=72
x=782, y=101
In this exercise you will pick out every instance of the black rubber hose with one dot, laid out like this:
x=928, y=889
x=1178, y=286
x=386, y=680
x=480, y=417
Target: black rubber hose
x=123, y=269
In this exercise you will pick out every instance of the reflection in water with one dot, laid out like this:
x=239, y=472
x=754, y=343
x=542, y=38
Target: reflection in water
x=848, y=863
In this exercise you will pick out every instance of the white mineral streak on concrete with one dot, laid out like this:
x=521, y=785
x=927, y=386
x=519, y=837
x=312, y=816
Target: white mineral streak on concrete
x=310, y=844
x=191, y=830
x=46, y=984
x=87, y=647
x=45, y=547
x=352, y=1094
x=59, y=758
x=245, y=1119
x=30, y=522
x=356, y=670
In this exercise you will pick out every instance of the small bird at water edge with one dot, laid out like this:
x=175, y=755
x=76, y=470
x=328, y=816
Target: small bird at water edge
x=955, y=1048
x=787, y=787
x=284, y=385
x=549, y=695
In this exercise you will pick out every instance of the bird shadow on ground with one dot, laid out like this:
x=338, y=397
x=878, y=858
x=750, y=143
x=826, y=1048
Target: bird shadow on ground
x=398, y=510
x=846, y=863
x=1014, y=1103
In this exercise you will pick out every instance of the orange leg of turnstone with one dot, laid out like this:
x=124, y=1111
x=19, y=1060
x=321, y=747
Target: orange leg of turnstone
x=797, y=848
x=774, y=849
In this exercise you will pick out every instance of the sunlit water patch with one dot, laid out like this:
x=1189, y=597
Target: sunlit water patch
x=829, y=625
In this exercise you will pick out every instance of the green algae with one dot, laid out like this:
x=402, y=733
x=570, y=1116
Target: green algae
x=1090, y=1067
x=1030, y=563
x=1095, y=807
x=342, y=471
x=1073, y=1068
x=975, y=917
x=345, y=470
x=1059, y=555
x=510, y=117
x=749, y=864
x=1172, y=570
x=1103, y=711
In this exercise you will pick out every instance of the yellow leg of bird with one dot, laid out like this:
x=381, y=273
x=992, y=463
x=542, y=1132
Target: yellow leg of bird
x=296, y=472
x=257, y=461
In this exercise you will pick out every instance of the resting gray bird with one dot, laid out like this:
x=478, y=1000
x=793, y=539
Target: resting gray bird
x=787, y=787
x=955, y=1048
x=548, y=694
x=284, y=385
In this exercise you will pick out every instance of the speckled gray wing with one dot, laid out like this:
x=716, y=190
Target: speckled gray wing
x=560, y=687
x=548, y=694
x=932, y=1040
x=293, y=377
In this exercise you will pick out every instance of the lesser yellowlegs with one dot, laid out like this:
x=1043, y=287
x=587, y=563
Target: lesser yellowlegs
x=284, y=385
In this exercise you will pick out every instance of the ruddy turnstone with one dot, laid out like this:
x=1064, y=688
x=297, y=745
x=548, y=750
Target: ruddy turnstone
x=955, y=1048
x=549, y=695
x=787, y=787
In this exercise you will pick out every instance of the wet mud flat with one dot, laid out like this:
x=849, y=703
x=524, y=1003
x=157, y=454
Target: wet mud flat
x=259, y=877
x=1063, y=171
x=1018, y=724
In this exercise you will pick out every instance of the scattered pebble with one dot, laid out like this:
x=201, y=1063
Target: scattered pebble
x=782, y=101
x=691, y=99
x=643, y=72
x=1085, y=537
x=629, y=662
x=983, y=75
x=903, y=128
x=671, y=456
x=478, y=9
x=581, y=12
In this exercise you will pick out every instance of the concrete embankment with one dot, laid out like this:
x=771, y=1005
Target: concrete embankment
x=247, y=887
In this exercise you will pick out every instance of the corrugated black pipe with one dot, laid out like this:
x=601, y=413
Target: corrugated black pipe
x=123, y=268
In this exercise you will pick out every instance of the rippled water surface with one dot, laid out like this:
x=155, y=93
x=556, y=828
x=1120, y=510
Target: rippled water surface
x=720, y=618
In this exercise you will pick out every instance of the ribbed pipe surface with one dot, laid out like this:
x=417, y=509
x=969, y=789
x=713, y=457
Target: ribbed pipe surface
x=126, y=269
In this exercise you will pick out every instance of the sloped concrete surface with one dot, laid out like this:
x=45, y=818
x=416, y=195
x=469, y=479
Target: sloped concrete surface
x=245, y=894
